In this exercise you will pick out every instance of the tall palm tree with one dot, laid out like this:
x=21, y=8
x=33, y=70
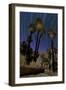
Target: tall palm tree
x=40, y=32
x=29, y=50
x=52, y=35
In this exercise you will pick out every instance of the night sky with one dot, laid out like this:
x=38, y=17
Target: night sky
x=49, y=21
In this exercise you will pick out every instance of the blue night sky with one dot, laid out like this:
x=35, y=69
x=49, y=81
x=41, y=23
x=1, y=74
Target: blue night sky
x=49, y=20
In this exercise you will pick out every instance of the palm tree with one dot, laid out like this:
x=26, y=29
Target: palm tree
x=29, y=50
x=40, y=32
x=52, y=35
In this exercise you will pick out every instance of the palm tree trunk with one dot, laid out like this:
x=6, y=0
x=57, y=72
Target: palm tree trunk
x=37, y=38
x=38, y=43
x=52, y=55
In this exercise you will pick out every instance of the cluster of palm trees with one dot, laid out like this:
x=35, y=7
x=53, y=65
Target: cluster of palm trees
x=25, y=47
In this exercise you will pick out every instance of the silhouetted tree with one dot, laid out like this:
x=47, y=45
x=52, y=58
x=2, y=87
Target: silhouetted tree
x=40, y=31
